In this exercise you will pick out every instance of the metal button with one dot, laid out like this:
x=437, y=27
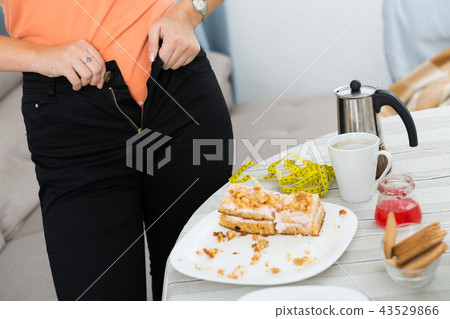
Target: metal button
x=109, y=76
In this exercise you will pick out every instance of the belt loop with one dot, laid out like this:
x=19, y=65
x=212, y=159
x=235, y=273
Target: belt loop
x=51, y=87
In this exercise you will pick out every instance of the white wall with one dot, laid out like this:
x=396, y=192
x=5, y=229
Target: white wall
x=274, y=41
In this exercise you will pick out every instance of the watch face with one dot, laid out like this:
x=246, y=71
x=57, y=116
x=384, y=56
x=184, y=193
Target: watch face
x=200, y=6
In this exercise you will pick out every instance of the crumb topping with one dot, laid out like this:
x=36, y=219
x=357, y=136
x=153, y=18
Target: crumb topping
x=342, y=212
x=299, y=202
x=254, y=199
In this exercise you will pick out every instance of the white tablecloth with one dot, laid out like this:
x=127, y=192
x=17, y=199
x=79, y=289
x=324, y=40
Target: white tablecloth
x=429, y=166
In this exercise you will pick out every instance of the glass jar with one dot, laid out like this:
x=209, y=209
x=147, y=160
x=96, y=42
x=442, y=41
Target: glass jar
x=396, y=194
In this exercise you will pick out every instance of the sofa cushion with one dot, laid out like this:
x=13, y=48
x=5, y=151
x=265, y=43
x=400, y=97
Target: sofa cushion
x=32, y=224
x=18, y=185
x=2, y=242
x=8, y=81
x=25, y=271
x=294, y=118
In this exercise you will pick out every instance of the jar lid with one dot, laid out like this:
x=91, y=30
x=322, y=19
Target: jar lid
x=355, y=91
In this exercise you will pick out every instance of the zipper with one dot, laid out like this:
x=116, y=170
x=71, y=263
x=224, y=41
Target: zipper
x=123, y=113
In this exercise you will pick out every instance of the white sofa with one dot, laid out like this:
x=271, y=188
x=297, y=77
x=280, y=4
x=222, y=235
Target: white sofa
x=24, y=268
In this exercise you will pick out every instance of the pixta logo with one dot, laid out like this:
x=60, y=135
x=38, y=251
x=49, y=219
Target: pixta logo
x=141, y=151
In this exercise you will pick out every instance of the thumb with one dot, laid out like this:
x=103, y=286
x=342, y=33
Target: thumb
x=153, y=39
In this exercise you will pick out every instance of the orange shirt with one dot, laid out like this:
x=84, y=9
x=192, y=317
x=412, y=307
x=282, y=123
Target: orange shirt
x=53, y=22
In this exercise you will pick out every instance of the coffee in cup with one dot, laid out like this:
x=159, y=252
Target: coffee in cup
x=354, y=157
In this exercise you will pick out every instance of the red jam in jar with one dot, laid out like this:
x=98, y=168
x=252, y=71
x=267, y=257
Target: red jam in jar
x=397, y=196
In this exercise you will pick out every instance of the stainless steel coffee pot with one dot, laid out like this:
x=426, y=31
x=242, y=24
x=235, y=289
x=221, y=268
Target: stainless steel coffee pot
x=358, y=108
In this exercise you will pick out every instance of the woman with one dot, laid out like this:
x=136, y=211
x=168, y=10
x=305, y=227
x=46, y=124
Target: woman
x=79, y=113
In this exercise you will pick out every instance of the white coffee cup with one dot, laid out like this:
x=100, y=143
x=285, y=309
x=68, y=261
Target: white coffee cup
x=354, y=157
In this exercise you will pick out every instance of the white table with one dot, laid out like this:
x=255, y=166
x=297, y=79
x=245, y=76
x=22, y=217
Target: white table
x=429, y=166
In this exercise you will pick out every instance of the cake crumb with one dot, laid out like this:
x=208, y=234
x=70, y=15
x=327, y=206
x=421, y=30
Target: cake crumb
x=303, y=261
x=275, y=270
x=200, y=252
x=255, y=259
x=197, y=267
x=263, y=243
x=219, y=236
x=255, y=237
x=211, y=252
x=306, y=252
x=256, y=247
x=237, y=272
x=235, y=253
x=221, y=272
x=342, y=212
x=267, y=264
x=242, y=235
x=288, y=256
x=231, y=234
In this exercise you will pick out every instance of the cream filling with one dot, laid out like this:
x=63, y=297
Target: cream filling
x=262, y=211
x=236, y=219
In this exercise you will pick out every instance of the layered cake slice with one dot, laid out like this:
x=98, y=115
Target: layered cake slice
x=301, y=213
x=249, y=210
x=257, y=211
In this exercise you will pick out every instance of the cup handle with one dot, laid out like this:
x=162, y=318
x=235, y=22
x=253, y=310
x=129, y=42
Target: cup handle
x=386, y=170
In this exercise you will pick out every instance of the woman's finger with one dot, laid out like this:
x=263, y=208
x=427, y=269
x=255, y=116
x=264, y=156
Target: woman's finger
x=181, y=62
x=74, y=79
x=97, y=56
x=166, y=53
x=83, y=71
x=189, y=59
x=96, y=70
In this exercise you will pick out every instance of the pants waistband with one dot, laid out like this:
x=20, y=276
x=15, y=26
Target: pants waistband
x=37, y=83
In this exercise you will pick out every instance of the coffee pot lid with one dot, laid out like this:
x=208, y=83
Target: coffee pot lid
x=355, y=91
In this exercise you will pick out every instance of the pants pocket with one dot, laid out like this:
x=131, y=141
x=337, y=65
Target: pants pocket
x=36, y=110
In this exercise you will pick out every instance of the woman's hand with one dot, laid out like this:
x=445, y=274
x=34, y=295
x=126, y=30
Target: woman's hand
x=176, y=29
x=78, y=61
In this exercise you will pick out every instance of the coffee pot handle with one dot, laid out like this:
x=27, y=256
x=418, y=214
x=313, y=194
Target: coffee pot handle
x=385, y=97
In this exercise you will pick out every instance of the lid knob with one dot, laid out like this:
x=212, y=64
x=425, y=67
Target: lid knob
x=355, y=85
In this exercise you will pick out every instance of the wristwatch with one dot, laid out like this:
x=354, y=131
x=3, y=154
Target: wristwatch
x=201, y=7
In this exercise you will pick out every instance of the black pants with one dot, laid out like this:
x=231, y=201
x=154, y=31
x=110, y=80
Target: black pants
x=94, y=206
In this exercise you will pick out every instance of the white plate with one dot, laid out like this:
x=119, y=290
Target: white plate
x=305, y=293
x=336, y=234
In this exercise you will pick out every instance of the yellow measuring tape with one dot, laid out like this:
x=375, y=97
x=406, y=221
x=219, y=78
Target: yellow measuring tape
x=306, y=176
